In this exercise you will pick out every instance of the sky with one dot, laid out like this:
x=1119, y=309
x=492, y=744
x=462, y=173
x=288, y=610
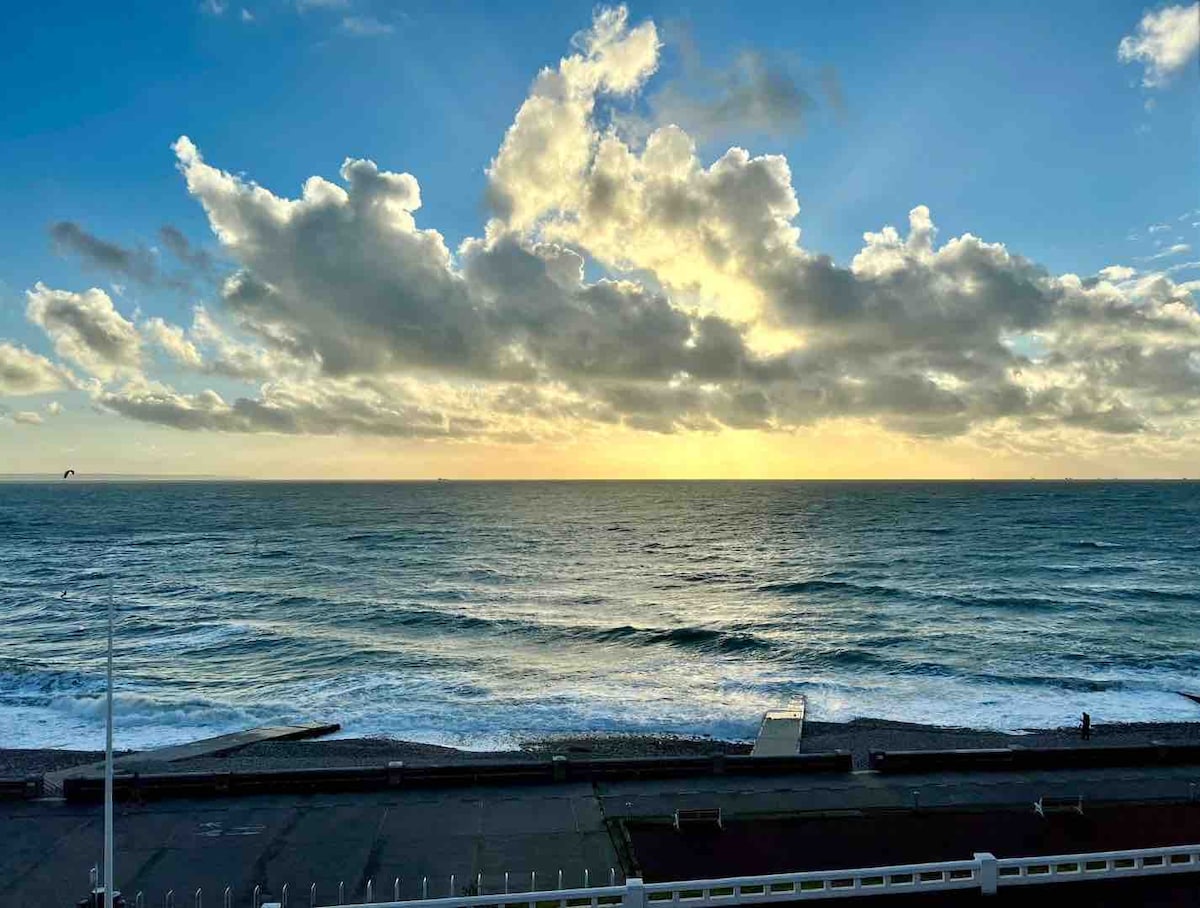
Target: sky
x=366, y=239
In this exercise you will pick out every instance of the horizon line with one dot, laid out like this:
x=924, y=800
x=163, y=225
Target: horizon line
x=201, y=478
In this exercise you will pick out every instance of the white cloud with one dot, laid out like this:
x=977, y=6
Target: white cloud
x=1176, y=249
x=552, y=138
x=1159, y=228
x=172, y=341
x=1166, y=40
x=365, y=26
x=25, y=372
x=27, y=417
x=1117, y=273
x=87, y=329
x=214, y=7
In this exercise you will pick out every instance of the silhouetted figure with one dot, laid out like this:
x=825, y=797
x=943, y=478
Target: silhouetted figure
x=1085, y=730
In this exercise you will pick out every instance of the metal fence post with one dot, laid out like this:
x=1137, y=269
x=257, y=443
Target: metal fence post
x=506, y=882
x=283, y=896
x=312, y=895
x=612, y=876
x=228, y=897
x=585, y=878
x=257, y=899
x=989, y=872
x=169, y=901
x=479, y=883
x=370, y=890
x=341, y=893
x=635, y=893
x=198, y=901
x=424, y=887
x=139, y=901
x=396, y=890
x=452, y=885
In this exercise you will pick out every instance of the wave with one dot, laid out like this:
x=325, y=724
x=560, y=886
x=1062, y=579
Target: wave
x=1152, y=593
x=700, y=639
x=1086, y=569
x=826, y=586
x=1094, y=544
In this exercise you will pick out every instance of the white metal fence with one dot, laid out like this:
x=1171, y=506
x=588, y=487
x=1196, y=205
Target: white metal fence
x=983, y=873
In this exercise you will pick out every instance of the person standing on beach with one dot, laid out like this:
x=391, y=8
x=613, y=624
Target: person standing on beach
x=1085, y=729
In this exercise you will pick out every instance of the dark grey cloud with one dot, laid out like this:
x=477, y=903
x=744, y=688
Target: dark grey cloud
x=191, y=256
x=754, y=94
x=132, y=264
x=137, y=264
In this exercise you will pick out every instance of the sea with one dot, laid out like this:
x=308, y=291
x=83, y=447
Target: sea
x=479, y=614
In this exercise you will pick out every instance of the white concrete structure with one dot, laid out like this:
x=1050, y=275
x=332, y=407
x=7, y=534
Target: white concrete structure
x=780, y=732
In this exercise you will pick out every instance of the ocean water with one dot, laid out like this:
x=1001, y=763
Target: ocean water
x=478, y=613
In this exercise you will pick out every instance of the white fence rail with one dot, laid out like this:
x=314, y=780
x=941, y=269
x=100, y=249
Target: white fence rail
x=984, y=873
x=1065, y=868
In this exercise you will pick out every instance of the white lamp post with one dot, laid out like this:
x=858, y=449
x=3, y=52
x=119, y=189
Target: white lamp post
x=108, y=767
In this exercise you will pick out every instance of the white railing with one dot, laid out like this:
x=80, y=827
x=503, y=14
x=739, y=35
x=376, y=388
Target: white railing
x=1065, y=868
x=984, y=873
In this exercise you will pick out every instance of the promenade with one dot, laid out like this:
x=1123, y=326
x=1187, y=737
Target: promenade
x=532, y=832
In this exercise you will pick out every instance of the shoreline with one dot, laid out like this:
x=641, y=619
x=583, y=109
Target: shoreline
x=858, y=736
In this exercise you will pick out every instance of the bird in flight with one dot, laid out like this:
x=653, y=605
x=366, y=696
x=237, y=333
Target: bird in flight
x=68, y=473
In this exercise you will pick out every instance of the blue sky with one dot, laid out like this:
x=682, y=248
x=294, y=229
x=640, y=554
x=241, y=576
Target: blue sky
x=1015, y=122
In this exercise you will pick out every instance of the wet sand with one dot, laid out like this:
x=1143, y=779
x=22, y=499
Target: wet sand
x=858, y=736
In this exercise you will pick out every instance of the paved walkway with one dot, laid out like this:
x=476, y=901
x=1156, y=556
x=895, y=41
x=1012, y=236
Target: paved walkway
x=48, y=846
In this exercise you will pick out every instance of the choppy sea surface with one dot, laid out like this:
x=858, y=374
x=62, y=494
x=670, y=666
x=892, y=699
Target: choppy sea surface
x=477, y=613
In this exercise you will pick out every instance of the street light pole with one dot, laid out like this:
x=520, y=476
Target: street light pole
x=108, y=768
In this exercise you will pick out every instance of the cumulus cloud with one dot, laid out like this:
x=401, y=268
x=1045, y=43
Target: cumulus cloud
x=354, y=317
x=389, y=408
x=172, y=340
x=1165, y=41
x=1117, y=273
x=27, y=417
x=552, y=139
x=25, y=372
x=87, y=329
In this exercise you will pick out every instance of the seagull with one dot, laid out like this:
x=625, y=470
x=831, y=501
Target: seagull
x=68, y=473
